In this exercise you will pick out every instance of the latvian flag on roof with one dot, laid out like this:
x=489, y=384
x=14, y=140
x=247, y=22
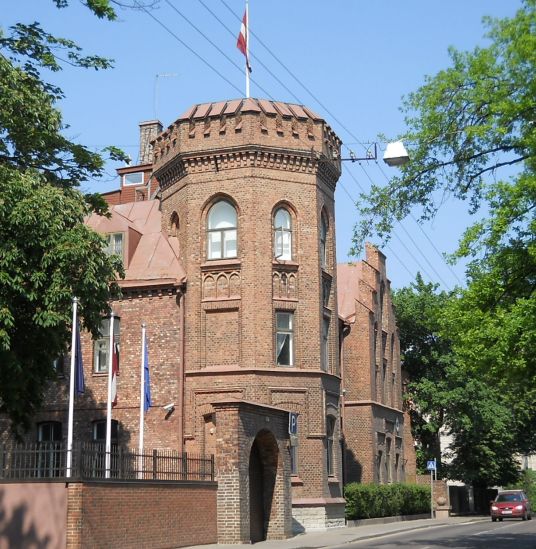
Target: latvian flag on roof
x=242, y=42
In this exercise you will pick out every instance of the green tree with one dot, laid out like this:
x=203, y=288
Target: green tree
x=47, y=254
x=472, y=137
x=486, y=421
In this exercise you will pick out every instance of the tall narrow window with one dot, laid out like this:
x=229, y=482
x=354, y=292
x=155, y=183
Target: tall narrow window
x=325, y=344
x=323, y=241
x=221, y=231
x=388, y=470
x=330, y=434
x=284, y=340
x=101, y=347
x=282, y=235
x=49, y=431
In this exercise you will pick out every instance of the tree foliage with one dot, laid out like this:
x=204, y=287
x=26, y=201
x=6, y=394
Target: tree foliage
x=472, y=136
x=486, y=422
x=47, y=254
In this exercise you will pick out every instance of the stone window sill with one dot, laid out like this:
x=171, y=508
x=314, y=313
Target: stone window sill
x=295, y=480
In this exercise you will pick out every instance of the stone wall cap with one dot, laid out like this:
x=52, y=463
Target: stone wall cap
x=249, y=403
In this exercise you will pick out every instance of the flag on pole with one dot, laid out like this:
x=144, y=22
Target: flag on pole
x=242, y=42
x=146, y=381
x=115, y=371
x=80, y=385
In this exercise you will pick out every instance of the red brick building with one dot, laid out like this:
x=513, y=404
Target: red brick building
x=227, y=232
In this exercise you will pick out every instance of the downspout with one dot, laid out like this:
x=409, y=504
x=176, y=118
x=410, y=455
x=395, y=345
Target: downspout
x=181, y=369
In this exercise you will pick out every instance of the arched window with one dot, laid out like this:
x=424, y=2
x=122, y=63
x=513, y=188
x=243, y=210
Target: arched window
x=174, y=224
x=221, y=231
x=323, y=241
x=282, y=235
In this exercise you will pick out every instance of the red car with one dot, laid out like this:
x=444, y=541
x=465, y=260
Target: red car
x=511, y=504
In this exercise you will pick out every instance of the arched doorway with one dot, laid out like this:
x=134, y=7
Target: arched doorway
x=263, y=461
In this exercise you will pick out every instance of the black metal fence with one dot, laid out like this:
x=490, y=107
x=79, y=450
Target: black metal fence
x=48, y=460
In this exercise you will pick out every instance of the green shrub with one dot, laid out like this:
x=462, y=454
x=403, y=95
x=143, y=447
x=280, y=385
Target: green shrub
x=527, y=483
x=385, y=500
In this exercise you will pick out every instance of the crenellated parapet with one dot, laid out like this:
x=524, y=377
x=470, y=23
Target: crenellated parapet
x=246, y=132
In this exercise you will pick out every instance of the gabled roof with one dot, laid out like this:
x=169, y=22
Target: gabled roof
x=151, y=256
x=348, y=277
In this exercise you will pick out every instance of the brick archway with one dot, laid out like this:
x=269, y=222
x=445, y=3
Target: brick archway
x=253, y=472
x=263, y=463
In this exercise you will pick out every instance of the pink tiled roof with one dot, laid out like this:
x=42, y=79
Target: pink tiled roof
x=348, y=277
x=235, y=106
x=155, y=259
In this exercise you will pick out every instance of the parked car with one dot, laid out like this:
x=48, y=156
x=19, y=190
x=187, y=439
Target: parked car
x=511, y=504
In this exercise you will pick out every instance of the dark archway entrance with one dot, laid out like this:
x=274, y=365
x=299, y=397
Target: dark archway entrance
x=263, y=460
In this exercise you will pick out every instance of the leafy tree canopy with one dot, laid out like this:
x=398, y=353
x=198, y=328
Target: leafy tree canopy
x=47, y=254
x=472, y=136
x=487, y=422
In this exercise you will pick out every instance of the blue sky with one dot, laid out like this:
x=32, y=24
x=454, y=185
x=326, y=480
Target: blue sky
x=358, y=58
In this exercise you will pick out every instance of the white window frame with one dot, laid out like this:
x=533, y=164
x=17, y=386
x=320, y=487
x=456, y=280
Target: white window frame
x=116, y=244
x=127, y=184
x=283, y=336
x=221, y=237
x=283, y=235
x=101, y=346
x=330, y=444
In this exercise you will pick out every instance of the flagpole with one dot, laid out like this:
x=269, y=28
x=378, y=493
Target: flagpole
x=71, y=393
x=142, y=398
x=109, y=402
x=247, y=49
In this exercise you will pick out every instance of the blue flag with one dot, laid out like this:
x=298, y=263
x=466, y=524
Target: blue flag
x=147, y=383
x=79, y=385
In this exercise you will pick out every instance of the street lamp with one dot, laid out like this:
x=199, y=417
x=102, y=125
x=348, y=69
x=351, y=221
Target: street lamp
x=395, y=154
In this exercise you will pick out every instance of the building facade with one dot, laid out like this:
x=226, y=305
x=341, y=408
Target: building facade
x=226, y=227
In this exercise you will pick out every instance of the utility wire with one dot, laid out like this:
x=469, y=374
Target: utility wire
x=240, y=69
x=252, y=55
x=267, y=48
x=389, y=248
x=453, y=272
x=356, y=181
x=412, y=240
x=191, y=50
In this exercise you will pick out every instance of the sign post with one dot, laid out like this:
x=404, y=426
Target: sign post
x=293, y=428
x=432, y=467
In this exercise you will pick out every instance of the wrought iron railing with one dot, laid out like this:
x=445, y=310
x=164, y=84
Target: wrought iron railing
x=48, y=460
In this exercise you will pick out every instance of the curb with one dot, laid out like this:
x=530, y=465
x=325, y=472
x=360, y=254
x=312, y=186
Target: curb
x=399, y=531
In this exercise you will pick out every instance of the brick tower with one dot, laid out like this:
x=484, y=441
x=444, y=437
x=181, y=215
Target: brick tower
x=247, y=189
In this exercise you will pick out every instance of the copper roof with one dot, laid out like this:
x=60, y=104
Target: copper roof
x=348, y=277
x=235, y=106
x=151, y=256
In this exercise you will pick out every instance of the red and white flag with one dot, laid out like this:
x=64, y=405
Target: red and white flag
x=115, y=371
x=242, y=42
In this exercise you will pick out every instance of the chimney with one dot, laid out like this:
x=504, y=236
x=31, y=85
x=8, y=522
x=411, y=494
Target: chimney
x=148, y=131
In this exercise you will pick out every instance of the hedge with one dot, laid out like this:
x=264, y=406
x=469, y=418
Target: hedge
x=385, y=500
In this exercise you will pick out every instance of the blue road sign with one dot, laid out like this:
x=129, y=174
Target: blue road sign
x=292, y=423
x=431, y=465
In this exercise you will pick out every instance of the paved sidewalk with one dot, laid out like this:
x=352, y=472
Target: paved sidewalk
x=340, y=536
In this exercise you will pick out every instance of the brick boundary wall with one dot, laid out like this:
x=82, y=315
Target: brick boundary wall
x=440, y=487
x=144, y=515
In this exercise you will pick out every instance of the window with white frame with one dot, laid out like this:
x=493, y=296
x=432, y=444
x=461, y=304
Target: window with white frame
x=284, y=340
x=282, y=235
x=115, y=244
x=101, y=346
x=325, y=344
x=134, y=178
x=323, y=241
x=222, y=231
